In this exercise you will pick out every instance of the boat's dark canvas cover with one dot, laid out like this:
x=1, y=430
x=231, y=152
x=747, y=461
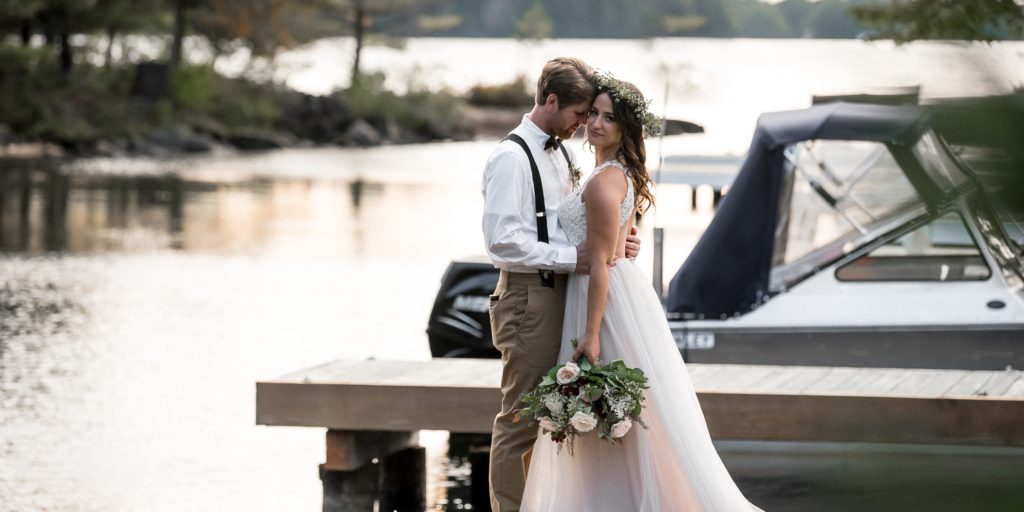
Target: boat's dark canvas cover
x=727, y=273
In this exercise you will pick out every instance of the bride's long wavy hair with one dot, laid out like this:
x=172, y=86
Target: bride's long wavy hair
x=632, y=150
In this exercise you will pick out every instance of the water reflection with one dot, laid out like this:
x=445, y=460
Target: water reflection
x=45, y=210
x=138, y=309
x=15, y=201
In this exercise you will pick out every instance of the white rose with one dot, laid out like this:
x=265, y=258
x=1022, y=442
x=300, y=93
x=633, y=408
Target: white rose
x=583, y=422
x=567, y=373
x=621, y=428
x=547, y=424
x=553, y=403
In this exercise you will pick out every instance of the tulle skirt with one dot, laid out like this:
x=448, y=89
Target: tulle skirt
x=673, y=466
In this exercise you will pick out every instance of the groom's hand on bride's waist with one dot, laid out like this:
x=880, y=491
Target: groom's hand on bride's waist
x=583, y=258
x=632, y=243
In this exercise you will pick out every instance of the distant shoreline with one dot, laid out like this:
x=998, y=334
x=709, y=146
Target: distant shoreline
x=481, y=122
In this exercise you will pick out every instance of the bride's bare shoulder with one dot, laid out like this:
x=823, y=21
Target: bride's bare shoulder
x=605, y=187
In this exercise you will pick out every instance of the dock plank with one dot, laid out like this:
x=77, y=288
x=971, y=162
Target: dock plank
x=831, y=382
x=968, y=384
x=739, y=401
x=748, y=378
x=917, y=382
x=775, y=377
x=700, y=373
x=803, y=376
x=1016, y=390
x=874, y=381
x=998, y=383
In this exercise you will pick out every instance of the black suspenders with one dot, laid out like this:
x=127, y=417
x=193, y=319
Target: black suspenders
x=547, y=277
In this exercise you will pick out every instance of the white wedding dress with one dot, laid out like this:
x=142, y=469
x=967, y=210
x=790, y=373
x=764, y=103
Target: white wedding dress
x=672, y=466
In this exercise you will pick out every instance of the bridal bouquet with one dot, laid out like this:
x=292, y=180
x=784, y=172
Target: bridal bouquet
x=574, y=399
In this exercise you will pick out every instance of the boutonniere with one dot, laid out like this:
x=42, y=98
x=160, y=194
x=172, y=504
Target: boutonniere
x=574, y=174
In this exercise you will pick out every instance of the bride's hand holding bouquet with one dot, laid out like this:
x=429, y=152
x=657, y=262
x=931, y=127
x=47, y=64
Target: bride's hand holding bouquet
x=589, y=347
x=577, y=398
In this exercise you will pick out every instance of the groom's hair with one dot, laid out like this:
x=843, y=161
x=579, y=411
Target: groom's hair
x=568, y=78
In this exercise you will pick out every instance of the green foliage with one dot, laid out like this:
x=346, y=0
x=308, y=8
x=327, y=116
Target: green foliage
x=18, y=81
x=535, y=23
x=442, y=23
x=235, y=102
x=796, y=13
x=40, y=102
x=20, y=9
x=95, y=102
x=416, y=109
x=512, y=94
x=832, y=18
x=757, y=19
x=263, y=26
x=974, y=20
x=682, y=24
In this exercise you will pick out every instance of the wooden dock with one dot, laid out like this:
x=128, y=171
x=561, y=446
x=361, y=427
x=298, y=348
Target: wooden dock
x=373, y=409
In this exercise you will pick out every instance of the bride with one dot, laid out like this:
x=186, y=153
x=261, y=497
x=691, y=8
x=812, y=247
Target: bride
x=616, y=315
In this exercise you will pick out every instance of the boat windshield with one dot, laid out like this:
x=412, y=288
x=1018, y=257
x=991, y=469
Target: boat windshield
x=937, y=163
x=1013, y=223
x=836, y=195
x=1007, y=243
x=1000, y=177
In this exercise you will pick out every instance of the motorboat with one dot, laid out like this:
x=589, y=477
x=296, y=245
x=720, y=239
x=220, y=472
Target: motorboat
x=852, y=235
x=855, y=235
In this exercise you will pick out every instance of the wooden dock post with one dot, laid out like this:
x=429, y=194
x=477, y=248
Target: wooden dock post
x=367, y=468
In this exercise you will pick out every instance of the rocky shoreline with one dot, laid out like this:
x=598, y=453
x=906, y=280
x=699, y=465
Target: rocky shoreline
x=307, y=121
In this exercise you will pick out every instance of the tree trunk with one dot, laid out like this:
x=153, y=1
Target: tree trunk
x=108, y=55
x=179, y=34
x=26, y=32
x=49, y=29
x=66, y=55
x=360, y=25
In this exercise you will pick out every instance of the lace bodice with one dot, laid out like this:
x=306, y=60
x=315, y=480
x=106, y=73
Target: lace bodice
x=572, y=214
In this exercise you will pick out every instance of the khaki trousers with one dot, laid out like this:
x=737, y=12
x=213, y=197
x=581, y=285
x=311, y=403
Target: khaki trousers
x=526, y=324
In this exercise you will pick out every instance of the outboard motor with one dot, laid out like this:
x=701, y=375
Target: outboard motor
x=459, y=324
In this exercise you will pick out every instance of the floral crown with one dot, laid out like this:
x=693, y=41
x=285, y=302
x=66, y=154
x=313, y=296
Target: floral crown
x=620, y=92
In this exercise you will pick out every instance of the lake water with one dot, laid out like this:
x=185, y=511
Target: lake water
x=140, y=300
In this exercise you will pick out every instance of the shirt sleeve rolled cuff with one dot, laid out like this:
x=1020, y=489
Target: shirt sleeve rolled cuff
x=566, y=260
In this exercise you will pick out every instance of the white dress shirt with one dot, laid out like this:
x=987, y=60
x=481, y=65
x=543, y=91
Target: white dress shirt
x=510, y=217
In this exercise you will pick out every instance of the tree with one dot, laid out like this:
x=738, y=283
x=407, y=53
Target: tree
x=796, y=14
x=719, y=23
x=362, y=16
x=756, y=19
x=115, y=17
x=178, y=35
x=19, y=15
x=974, y=20
x=535, y=23
x=831, y=18
x=264, y=27
x=60, y=19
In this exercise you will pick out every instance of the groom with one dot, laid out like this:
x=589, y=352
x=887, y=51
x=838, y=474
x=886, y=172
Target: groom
x=528, y=304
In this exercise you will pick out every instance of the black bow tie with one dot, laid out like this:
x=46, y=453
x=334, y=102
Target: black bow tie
x=552, y=143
